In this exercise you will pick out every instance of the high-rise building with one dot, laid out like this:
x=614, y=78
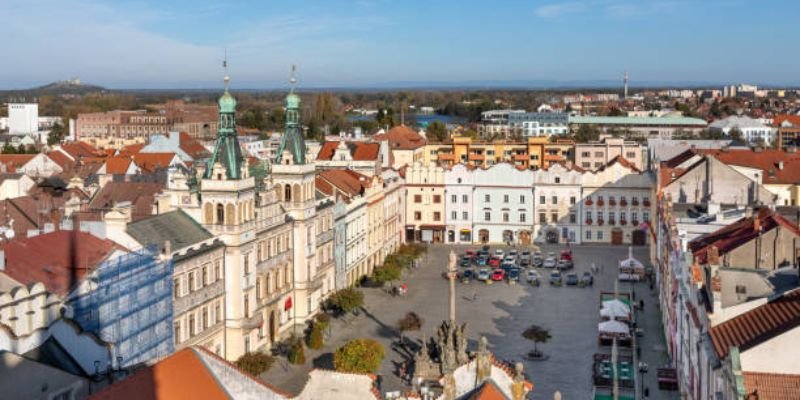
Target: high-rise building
x=23, y=118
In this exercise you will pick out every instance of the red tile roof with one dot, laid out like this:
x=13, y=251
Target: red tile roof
x=118, y=165
x=767, y=160
x=740, y=232
x=402, y=138
x=360, y=151
x=779, y=119
x=131, y=149
x=622, y=161
x=488, y=390
x=10, y=162
x=344, y=181
x=78, y=150
x=768, y=386
x=757, y=325
x=150, y=162
x=58, y=259
x=141, y=195
x=192, y=147
x=61, y=159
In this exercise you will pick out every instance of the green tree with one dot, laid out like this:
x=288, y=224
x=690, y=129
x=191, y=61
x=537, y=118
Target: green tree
x=385, y=117
x=255, y=363
x=386, y=273
x=56, y=134
x=9, y=149
x=437, y=131
x=359, y=356
x=586, y=133
x=314, y=340
x=536, y=334
x=736, y=134
x=347, y=300
x=410, y=322
x=297, y=353
x=615, y=112
x=470, y=133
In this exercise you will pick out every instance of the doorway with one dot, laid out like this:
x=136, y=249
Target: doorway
x=616, y=236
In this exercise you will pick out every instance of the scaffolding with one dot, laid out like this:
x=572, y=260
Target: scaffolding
x=128, y=304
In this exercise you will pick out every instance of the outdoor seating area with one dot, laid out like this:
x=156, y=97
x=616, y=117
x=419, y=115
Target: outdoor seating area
x=602, y=371
x=631, y=269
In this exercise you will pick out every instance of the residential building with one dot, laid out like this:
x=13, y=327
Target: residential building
x=394, y=212
x=539, y=123
x=503, y=204
x=659, y=150
x=198, y=277
x=533, y=153
x=364, y=157
x=33, y=165
x=459, y=187
x=645, y=127
x=788, y=127
x=405, y=145
x=557, y=204
x=596, y=154
x=496, y=123
x=752, y=130
x=425, y=203
x=197, y=120
x=23, y=118
x=617, y=204
x=339, y=242
x=138, y=124
x=14, y=185
x=183, y=144
x=23, y=378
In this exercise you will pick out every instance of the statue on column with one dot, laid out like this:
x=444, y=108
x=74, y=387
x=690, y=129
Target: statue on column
x=461, y=345
x=518, y=385
x=483, y=361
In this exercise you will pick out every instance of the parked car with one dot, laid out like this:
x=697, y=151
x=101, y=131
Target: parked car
x=494, y=262
x=498, y=275
x=513, y=274
x=587, y=278
x=483, y=253
x=485, y=248
x=499, y=253
x=566, y=254
x=512, y=252
x=555, y=278
x=483, y=260
x=705, y=218
x=563, y=265
x=525, y=258
x=510, y=260
x=467, y=276
x=507, y=266
x=471, y=254
x=483, y=274
x=537, y=259
x=533, y=277
x=572, y=279
x=465, y=262
x=549, y=262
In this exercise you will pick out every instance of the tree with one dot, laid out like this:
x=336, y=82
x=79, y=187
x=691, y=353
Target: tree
x=9, y=149
x=410, y=322
x=297, y=354
x=568, y=108
x=386, y=273
x=56, y=134
x=586, y=133
x=537, y=334
x=470, y=133
x=359, y=356
x=347, y=300
x=437, y=131
x=615, y=112
x=255, y=363
x=736, y=134
x=314, y=340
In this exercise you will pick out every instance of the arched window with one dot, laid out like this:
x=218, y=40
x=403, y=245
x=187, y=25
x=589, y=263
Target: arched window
x=209, y=213
x=220, y=214
x=287, y=193
x=230, y=214
x=296, y=195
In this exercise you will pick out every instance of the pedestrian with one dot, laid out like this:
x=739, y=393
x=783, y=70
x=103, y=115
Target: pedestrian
x=641, y=304
x=638, y=351
x=646, y=392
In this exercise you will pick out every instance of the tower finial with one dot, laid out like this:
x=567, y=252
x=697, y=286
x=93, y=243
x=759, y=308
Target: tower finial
x=226, y=79
x=293, y=78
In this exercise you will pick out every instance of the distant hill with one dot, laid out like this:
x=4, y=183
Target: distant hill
x=70, y=86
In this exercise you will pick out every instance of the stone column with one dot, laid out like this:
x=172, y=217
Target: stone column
x=451, y=275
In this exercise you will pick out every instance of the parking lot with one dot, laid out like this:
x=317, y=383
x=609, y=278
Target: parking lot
x=501, y=311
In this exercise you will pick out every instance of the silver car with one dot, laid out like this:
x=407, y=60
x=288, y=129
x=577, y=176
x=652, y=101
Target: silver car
x=483, y=274
x=549, y=262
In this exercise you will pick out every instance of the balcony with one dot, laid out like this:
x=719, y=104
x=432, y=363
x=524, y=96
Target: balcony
x=635, y=202
x=600, y=222
x=248, y=280
x=259, y=224
x=612, y=221
x=276, y=260
x=601, y=203
x=646, y=203
x=588, y=221
x=253, y=322
x=198, y=297
x=623, y=222
x=612, y=202
x=635, y=223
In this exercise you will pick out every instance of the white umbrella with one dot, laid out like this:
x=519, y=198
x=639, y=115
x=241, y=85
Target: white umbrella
x=617, y=304
x=613, y=327
x=613, y=312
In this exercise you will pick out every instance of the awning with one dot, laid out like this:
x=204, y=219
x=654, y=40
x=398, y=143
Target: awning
x=466, y=231
x=432, y=227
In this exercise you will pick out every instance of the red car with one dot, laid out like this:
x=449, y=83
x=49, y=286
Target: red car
x=494, y=262
x=566, y=255
x=498, y=275
x=471, y=254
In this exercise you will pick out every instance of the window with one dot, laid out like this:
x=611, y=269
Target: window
x=191, y=282
x=555, y=199
x=586, y=154
x=205, y=318
x=554, y=217
x=522, y=218
x=437, y=198
x=417, y=215
x=487, y=216
x=205, y=276
x=558, y=179
x=505, y=198
x=599, y=235
x=542, y=199
x=486, y=198
x=417, y=198
x=630, y=155
x=177, y=332
x=505, y=217
x=622, y=216
x=588, y=235
x=218, y=312
x=247, y=263
x=542, y=218
x=454, y=199
x=598, y=154
x=586, y=165
x=588, y=215
x=464, y=215
x=191, y=325
x=246, y=306
x=464, y=198
x=437, y=216
x=634, y=216
x=453, y=215
x=646, y=216
x=572, y=200
x=176, y=288
x=522, y=199
x=572, y=218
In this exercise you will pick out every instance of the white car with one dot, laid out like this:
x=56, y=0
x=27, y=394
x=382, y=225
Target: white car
x=510, y=259
x=549, y=262
x=512, y=252
x=499, y=253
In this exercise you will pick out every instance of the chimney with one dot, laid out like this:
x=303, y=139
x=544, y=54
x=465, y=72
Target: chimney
x=780, y=165
x=167, y=248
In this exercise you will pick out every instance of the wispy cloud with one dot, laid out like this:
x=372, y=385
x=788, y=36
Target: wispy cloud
x=605, y=8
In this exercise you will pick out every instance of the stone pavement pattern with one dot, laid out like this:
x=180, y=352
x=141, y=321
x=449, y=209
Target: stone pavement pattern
x=501, y=312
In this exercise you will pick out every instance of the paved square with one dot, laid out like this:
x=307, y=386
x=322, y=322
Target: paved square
x=501, y=312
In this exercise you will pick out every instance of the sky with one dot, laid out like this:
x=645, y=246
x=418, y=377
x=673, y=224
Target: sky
x=360, y=43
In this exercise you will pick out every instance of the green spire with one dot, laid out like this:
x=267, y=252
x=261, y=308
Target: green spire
x=226, y=149
x=292, y=139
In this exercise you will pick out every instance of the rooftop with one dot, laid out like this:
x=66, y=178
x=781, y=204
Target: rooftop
x=650, y=121
x=360, y=151
x=402, y=137
x=768, y=386
x=176, y=226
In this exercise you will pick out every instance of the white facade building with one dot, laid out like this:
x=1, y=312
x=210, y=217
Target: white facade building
x=557, y=208
x=753, y=130
x=23, y=118
x=459, y=186
x=503, y=204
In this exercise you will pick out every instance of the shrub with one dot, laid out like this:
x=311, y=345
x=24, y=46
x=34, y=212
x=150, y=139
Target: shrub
x=386, y=273
x=297, y=354
x=347, y=300
x=323, y=320
x=255, y=363
x=411, y=322
x=314, y=339
x=359, y=355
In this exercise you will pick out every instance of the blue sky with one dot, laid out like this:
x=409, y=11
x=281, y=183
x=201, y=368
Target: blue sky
x=158, y=43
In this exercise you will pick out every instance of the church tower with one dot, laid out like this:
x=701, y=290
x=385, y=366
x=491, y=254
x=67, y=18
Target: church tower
x=295, y=177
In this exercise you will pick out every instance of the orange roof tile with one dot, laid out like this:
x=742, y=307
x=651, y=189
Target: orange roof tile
x=769, y=386
x=345, y=181
x=777, y=166
x=192, y=147
x=13, y=161
x=150, y=162
x=402, y=137
x=360, y=151
x=78, y=150
x=61, y=159
x=118, y=165
x=488, y=390
x=131, y=149
x=779, y=119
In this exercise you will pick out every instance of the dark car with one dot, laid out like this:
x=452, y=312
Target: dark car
x=587, y=278
x=513, y=274
x=465, y=262
x=483, y=253
x=483, y=260
x=537, y=259
x=507, y=266
x=467, y=276
x=485, y=248
x=572, y=279
x=555, y=278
